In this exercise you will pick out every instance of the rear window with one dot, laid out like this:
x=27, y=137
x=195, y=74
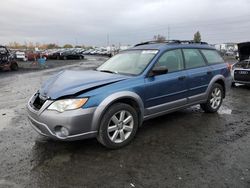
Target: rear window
x=212, y=56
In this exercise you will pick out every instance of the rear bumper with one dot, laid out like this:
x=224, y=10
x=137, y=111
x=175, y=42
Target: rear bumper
x=46, y=122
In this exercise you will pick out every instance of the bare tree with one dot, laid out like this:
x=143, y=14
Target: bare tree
x=159, y=38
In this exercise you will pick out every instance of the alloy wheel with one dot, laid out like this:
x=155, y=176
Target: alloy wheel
x=120, y=126
x=216, y=98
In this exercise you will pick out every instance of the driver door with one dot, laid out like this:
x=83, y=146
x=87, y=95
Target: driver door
x=167, y=91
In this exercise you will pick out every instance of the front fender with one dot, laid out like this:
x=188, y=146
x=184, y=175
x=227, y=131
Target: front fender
x=102, y=107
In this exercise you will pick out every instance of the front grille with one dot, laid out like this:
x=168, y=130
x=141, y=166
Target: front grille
x=242, y=75
x=38, y=102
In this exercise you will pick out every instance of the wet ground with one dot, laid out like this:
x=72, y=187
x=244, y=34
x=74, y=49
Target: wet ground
x=188, y=148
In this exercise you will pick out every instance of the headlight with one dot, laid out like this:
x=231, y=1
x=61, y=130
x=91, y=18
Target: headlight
x=67, y=104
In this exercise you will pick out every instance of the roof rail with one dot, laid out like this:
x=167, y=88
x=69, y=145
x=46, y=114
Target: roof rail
x=191, y=42
x=155, y=42
x=171, y=42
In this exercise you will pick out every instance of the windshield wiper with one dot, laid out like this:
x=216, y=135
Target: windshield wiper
x=109, y=71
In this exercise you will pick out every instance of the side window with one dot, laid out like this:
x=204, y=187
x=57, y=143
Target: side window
x=193, y=58
x=212, y=56
x=172, y=60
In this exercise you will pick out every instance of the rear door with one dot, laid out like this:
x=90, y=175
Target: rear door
x=199, y=74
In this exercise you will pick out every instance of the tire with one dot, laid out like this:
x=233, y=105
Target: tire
x=65, y=58
x=214, y=100
x=114, y=132
x=233, y=84
x=14, y=67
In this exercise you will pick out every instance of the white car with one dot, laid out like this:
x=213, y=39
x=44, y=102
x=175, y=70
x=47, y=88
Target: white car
x=241, y=72
x=20, y=56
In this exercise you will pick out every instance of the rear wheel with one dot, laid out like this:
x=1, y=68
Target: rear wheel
x=14, y=66
x=215, y=99
x=118, y=126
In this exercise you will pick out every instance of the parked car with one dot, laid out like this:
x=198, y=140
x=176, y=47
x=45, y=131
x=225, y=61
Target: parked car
x=241, y=72
x=31, y=56
x=71, y=54
x=230, y=53
x=146, y=81
x=6, y=60
x=20, y=56
x=55, y=54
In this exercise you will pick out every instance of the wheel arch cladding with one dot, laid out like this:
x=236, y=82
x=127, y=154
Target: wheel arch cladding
x=126, y=97
x=217, y=79
x=222, y=83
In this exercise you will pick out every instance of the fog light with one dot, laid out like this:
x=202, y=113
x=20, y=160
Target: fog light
x=61, y=131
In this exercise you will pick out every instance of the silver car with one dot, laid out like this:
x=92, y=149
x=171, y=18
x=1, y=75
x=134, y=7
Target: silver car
x=241, y=72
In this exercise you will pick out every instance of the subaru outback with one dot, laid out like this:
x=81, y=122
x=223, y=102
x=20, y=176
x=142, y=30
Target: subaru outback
x=110, y=103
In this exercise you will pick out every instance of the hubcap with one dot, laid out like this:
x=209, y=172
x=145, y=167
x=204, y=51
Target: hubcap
x=120, y=126
x=216, y=97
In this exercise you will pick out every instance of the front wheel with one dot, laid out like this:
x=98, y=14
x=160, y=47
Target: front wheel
x=118, y=126
x=215, y=99
x=14, y=67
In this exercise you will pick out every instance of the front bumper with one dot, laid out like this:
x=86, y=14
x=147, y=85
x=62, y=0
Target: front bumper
x=242, y=79
x=78, y=122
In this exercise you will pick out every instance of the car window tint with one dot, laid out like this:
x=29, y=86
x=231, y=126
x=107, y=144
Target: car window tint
x=212, y=56
x=193, y=58
x=172, y=60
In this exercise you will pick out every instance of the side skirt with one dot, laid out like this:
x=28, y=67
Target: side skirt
x=166, y=108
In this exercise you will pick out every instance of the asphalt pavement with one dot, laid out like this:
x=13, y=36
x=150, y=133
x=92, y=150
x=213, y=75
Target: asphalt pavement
x=188, y=148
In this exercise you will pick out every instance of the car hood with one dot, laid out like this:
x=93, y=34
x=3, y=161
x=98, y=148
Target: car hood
x=69, y=82
x=244, y=50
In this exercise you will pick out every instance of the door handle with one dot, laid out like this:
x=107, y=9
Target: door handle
x=181, y=77
x=209, y=72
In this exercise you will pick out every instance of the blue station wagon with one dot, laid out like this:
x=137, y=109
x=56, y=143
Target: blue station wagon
x=146, y=81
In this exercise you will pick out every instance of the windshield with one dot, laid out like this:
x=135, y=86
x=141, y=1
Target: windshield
x=131, y=62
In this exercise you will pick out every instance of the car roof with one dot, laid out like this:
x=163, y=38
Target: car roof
x=153, y=45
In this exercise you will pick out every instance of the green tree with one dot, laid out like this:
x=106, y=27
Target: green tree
x=197, y=37
x=67, y=46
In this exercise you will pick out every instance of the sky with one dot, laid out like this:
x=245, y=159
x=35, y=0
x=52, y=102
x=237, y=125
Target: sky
x=106, y=22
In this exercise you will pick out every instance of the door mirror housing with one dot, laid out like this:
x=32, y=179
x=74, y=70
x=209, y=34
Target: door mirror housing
x=159, y=70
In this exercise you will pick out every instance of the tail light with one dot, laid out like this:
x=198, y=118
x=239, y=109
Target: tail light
x=229, y=67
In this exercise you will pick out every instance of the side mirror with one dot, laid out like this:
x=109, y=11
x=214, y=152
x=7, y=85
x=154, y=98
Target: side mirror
x=159, y=70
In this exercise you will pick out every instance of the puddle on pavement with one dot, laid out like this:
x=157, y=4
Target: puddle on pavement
x=224, y=110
